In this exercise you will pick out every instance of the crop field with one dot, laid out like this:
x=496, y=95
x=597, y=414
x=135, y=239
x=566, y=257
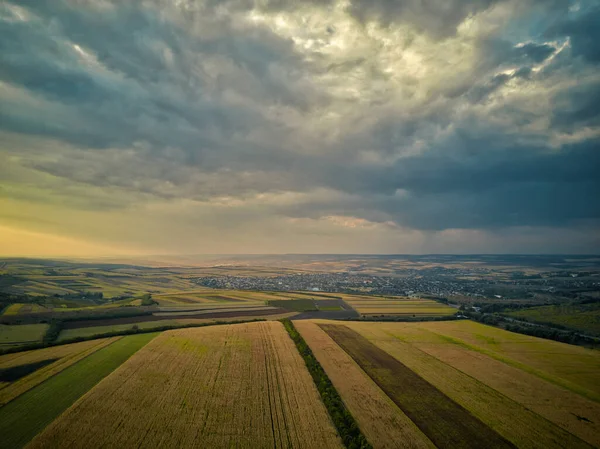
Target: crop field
x=27, y=369
x=503, y=381
x=582, y=317
x=205, y=307
x=242, y=385
x=177, y=320
x=446, y=423
x=44, y=280
x=20, y=308
x=220, y=297
x=571, y=367
x=15, y=335
x=29, y=413
x=398, y=306
x=68, y=334
x=383, y=424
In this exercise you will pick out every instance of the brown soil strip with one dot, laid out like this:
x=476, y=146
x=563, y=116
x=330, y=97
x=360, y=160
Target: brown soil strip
x=145, y=318
x=446, y=423
x=223, y=298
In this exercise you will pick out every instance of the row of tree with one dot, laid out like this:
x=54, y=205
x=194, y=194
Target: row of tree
x=344, y=422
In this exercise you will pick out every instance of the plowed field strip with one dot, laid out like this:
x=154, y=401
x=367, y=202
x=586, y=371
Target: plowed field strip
x=447, y=424
x=381, y=421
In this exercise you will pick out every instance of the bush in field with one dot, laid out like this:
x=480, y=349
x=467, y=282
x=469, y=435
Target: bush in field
x=53, y=331
x=147, y=300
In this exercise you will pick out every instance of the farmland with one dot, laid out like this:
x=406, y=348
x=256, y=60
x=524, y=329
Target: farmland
x=387, y=371
x=429, y=384
x=14, y=335
x=397, y=306
x=497, y=377
x=384, y=424
x=26, y=415
x=34, y=367
x=240, y=385
x=582, y=317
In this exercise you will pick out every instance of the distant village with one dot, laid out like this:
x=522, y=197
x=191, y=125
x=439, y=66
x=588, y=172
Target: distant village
x=437, y=282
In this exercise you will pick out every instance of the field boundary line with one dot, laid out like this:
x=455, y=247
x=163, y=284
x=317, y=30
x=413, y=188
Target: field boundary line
x=341, y=417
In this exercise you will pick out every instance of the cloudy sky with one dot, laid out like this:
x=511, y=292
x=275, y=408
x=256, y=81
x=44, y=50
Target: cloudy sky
x=323, y=126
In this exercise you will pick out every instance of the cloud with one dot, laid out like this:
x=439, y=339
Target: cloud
x=582, y=29
x=278, y=121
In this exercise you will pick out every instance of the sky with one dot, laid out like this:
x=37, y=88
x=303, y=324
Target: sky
x=281, y=126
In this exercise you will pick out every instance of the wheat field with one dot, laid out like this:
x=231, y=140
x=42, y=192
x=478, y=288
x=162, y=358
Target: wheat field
x=241, y=385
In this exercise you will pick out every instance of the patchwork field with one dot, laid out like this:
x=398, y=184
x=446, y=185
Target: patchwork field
x=470, y=385
x=239, y=385
x=22, y=371
x=177, y=320
x=27, y=414
x=381, y=421
x=397, y=306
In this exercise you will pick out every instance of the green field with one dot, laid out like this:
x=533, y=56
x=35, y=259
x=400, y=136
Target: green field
x=581, y=317
x=25, y=416
x=14, y=335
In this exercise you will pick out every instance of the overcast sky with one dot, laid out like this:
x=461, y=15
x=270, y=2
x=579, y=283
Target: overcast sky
x=276, y=126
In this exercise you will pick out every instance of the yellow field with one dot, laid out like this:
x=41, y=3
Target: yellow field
x=377, y=305
x=240, y=385
x=572, y=367
x=228, y=319
x=520, y=404
x=215, y=297
x=381, y=421
x=17, y=308
x=13, y=309
x=67, y=355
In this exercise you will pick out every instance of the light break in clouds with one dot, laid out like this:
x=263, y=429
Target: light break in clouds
x=240, y=126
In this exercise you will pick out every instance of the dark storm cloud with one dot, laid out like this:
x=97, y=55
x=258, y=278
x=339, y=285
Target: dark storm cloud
x=583, y=30
x=436, y=17
x=162, y=93
x=577, y=107
x=193, y=104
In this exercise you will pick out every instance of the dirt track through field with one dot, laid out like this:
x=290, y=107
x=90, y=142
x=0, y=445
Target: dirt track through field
x=446, y=423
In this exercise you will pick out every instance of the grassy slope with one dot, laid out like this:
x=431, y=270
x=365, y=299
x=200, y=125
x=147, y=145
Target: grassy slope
x=24, y=417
